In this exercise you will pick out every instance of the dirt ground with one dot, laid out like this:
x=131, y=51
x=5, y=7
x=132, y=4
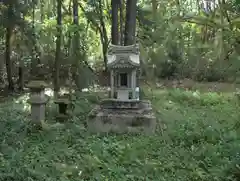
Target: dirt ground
x=189, y=84
x=186, y=84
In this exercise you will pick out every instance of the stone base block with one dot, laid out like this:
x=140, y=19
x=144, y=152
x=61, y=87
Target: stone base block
x=62, y=117
x=121, y=121
x=38, y=112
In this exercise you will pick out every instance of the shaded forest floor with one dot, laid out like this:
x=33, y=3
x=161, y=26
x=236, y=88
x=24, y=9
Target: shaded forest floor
x=189, y=84
x=186, y=84
x=197, y=138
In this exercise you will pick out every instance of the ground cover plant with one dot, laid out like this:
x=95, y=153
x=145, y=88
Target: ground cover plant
x=65, y=43
x=196, y=139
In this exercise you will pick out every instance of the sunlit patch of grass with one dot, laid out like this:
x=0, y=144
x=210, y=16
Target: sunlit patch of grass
x=21, y=103
x=197, y=139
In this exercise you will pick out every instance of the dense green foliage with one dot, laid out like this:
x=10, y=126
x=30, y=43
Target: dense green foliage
x=196, y=139
x=187, y=42
x=177, y=38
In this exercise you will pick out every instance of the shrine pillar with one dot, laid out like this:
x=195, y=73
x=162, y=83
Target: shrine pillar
x=112, y=83
x=133, y=83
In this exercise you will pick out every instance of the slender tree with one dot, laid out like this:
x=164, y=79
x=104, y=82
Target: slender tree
x=9, y=31
x=130, y=25
x=115, y=28
x=154, y=8
x=76, y=47
x=58, y=46
x=121, y=7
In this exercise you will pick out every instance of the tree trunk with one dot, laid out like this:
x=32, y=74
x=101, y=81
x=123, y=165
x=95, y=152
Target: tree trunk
x=75, y=12
x=42, y=10
x=104, y=33
x=115, y=30
x=75, y=47
x=154, y=9
x=58, y=46
x=20, y=67
x=35, y=63
x=8, y=60
x=130, y=25
x=121, y=22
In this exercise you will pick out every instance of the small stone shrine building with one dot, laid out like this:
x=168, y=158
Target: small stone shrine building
x=123, y=64
x=123, y=111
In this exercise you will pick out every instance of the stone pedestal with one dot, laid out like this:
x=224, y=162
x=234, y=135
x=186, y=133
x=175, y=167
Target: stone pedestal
x=38, y=106
x=37, y=100
x=122, y=117
x=63, y=103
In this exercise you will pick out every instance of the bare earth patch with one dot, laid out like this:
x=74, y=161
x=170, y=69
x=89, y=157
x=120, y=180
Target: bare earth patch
x=189, y=84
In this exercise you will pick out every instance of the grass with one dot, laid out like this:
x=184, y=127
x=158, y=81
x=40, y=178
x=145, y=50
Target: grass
x=197, y=138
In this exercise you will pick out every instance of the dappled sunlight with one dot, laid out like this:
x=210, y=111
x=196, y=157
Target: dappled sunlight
x=169, y=104
x=158, y=93
x=91, y=61
x=49, y=92
x=63, y=90
x=204, y=97
x=96, y=88
x=182, y=130
x=203, y=87
x=21, y=103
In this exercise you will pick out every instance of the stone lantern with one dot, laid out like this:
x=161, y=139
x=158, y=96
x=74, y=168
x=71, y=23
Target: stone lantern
x=37, y=100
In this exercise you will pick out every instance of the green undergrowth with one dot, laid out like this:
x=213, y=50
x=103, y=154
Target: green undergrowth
x=197, y=138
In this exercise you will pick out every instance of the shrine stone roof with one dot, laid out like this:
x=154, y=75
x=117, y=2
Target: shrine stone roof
x=123, y=56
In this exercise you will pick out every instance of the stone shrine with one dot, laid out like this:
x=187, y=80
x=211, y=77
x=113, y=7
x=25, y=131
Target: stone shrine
x=123, y=64
x=123, y=111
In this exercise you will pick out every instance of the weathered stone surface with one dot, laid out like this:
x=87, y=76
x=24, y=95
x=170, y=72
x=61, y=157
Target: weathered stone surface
x=38, y=100
x=37, y=84
x=123, y=56
x=118, y=120
x=63, y=117
x=127, y=104
x=38, y=105
x=63, y=103
x=123, y=112
x=38, y=113
x=116, y=104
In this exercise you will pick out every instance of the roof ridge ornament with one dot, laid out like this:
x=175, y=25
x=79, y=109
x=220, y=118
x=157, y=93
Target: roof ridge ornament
x=120, y=49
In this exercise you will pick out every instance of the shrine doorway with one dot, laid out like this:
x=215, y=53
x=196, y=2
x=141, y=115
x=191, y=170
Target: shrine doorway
x=123, y=79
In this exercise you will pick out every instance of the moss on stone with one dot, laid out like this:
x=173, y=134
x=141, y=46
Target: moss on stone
x=62, y=101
